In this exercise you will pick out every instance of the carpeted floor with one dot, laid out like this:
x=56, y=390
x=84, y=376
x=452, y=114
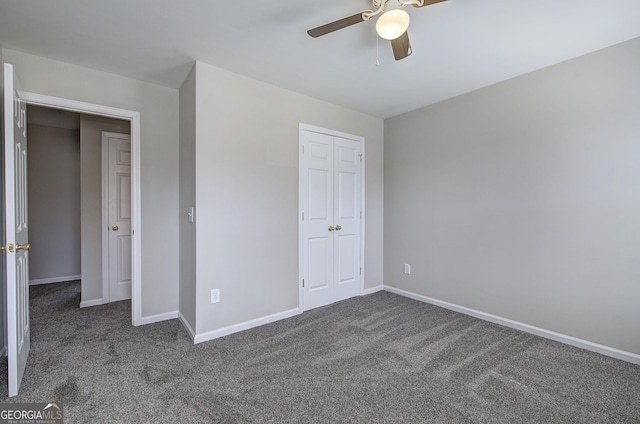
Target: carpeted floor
x=375, y=359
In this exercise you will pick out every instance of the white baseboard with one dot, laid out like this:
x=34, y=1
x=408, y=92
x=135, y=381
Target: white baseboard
x=54, y=280
x=210, y=335
x=372, y=290
x=187, y=326
x=159, y=317
x=93, y=302
x=562, y=338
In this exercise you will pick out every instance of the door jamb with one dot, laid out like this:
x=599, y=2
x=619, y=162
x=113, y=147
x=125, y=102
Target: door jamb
x=302, y=129
x=136, y=235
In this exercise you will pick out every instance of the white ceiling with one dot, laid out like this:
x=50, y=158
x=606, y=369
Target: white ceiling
x=458, y=45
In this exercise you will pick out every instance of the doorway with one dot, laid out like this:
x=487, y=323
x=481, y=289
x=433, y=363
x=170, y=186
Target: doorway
x=65, y=199
x=133, y=118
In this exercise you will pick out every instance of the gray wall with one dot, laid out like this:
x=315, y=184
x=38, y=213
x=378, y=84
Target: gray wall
x=247, y=194
x=188, y=198
x=91, y=128
x=522, y=199
x=54, y=202
x=158, y=107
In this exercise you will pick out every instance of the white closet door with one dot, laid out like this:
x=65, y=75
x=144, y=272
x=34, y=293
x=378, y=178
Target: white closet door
x=346, y=212
x=317, y=200
x=331, y=192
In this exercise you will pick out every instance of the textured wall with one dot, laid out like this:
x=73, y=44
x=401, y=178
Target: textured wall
x=247, y=193
x=188, y=198
x=522, y=199
x=54, y=201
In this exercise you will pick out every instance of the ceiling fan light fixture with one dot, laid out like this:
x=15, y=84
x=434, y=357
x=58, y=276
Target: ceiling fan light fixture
x=392, y=24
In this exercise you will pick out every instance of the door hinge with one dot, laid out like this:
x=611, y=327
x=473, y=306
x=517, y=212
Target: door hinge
x=303, y=216
x=360, y=157
x=360, y=214
x=303, y=283
x=303, y=149
x=360, y=271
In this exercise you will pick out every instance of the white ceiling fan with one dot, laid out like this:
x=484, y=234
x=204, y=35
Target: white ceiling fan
x=391, y=25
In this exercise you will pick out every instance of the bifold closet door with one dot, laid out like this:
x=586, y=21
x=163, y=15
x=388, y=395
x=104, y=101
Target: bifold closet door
x=331, y=193
x=346, y=213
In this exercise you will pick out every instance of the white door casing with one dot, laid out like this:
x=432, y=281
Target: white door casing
x=136, y=231
x=116, y=216
x=16, y=229
x=331, y=222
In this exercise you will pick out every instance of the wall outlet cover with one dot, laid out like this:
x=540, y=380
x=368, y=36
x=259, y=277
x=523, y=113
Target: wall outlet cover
x=215, y=295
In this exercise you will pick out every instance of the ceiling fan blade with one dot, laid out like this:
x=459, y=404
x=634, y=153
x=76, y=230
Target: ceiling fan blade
x=429, y=3
x=401, y=46
x=334, y=26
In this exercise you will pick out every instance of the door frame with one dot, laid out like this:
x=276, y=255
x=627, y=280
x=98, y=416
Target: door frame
x=136, y=219
x=333, y=133
x=106, y=257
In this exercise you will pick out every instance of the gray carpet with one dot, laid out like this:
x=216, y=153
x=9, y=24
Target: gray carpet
x=375, y=359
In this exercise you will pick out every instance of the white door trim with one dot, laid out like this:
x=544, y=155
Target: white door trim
x=302, y=129
x=136, y=217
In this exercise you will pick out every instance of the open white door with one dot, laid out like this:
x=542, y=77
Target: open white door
x=16, y=229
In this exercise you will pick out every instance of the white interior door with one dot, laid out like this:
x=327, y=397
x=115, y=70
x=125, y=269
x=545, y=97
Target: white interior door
x=317, y=199
x=330, y=193
x=16, y=229
x=347, y=218
x=117, y=173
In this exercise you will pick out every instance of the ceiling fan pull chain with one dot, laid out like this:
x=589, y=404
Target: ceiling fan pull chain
x=377, y=50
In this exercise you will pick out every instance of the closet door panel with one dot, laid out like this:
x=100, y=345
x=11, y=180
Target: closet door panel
x=317, y=185
x=347, y=218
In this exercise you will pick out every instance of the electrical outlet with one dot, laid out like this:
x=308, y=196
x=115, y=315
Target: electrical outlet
x=407, y=269
x=215, y=295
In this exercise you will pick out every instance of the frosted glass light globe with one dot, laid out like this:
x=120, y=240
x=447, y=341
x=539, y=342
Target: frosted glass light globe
x=392, y=24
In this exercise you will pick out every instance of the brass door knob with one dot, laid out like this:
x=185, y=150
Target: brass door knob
x=115, y=228
x=332, y=228
x=23, y=247
x=338, y=228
